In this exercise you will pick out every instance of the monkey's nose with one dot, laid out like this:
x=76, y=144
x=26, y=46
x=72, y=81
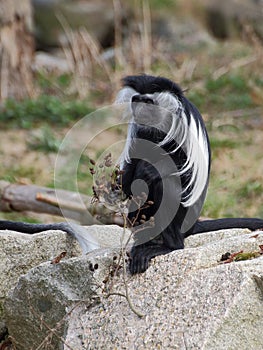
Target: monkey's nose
x=143, y=99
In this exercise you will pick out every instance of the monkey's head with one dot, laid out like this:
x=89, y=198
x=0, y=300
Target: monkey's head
x=153, y=101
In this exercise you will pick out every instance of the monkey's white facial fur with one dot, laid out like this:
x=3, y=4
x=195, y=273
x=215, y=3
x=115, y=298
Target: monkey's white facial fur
x=147, y=111
x=157, y=109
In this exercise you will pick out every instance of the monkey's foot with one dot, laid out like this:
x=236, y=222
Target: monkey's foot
x=141, y=255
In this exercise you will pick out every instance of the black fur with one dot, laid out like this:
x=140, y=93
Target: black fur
x=147, y=84
x=30, y=228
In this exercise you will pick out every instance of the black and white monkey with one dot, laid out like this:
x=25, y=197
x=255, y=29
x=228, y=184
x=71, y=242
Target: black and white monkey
x=166, y=156
x=168, y=148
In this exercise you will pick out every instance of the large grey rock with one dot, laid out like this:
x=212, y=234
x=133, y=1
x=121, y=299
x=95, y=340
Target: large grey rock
x=20, y=252
x=43, y=299
x=189, y=300
x=215, y=308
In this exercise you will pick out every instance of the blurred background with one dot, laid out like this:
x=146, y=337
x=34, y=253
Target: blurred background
x=62, y=59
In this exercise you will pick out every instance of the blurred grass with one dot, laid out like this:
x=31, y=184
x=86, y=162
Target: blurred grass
x=45, y=141
x=29, y=113
x=229, y=92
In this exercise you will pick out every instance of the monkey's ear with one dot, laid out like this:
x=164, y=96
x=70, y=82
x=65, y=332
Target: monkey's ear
x=125, y=95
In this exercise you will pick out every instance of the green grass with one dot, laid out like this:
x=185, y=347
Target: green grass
x=235, y=188
x=228, y=82
x=52, y=84
x=162, y=4
x=250, y=189
x=68, y=179
x=18, y=171
x=18, y=217
x=46, y=141
x=229, y=92
x=223, y=143
x=45, y=109
x=219, y=203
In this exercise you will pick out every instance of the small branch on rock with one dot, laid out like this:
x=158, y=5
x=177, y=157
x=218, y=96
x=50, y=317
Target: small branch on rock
x=53, y=331
x=122, y=264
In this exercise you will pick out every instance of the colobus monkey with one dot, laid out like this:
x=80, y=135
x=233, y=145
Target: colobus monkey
x=166, y=158
x=167, y=153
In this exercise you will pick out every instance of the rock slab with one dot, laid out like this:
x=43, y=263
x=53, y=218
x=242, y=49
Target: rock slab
x=188, y=299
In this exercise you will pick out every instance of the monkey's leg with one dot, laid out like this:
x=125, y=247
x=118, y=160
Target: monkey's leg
x=170, y=239
x=140, y=255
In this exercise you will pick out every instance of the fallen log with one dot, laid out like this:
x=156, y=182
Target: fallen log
x=72, y=205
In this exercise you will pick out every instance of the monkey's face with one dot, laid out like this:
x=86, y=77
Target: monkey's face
x=161, y=110
x=148, y=111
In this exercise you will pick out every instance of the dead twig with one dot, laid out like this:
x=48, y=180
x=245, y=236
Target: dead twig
x=52, y=331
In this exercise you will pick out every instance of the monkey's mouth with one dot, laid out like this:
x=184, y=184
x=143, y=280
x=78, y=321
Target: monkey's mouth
x=146, y=114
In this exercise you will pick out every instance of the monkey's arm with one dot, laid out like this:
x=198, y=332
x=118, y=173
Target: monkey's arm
x=166, y=235
x=127, y=177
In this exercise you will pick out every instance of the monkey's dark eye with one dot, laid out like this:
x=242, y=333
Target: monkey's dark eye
x=143, y=99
